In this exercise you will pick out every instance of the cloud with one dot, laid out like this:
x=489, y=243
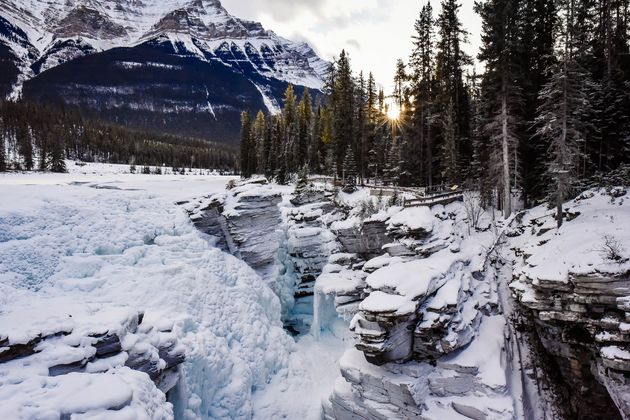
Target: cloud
x=375, y=32
x=319, y=12
x=354, y=43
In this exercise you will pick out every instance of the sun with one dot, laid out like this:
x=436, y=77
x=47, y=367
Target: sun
x=393, y=112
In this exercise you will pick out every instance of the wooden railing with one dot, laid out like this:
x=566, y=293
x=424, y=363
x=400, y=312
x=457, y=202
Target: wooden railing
x=422, y=196
x=432, y=200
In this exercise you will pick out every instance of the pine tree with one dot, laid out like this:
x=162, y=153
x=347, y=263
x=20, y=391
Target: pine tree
x=290, y=125
x=349, y=170
x=422, y=67
x=327, y=142
x=501, y=93
x=604, y=25
x=361, y=149
x=372, y=121
x=305, y=120
x=246, y=144
x=537, y=23
x=400, y=78
x=452, y=100
x=3, y=162
x=277, y=146
x=449, y=151
x=316, y=144
x=56, y=157
x=25, y=144
x=258, y=154
x=44, y=141
x=301, y=187
x=561, y=115
x=343, y=108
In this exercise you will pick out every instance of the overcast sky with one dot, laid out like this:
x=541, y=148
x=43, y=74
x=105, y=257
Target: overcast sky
x=375, y=32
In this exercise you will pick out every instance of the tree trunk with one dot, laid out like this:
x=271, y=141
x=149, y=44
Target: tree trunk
x=507, y=196
x=559, y=200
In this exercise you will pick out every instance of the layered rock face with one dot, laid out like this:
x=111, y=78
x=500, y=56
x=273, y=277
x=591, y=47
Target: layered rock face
x=93, y=352
x=85, y=21
x=430, y=336
x=578, y=302
x=245, y=221
x=287, y=243
x=366, y=240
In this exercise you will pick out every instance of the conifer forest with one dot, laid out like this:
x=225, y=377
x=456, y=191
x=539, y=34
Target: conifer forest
x=547, y=114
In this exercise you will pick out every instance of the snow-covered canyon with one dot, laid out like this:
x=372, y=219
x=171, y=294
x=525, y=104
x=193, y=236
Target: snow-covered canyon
x=140, y=296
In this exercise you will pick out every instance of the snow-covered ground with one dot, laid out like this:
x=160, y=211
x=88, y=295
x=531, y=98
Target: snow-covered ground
x=83, y=250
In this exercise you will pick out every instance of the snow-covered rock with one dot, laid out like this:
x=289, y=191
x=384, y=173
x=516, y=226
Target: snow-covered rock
x=245, y=221
x=470, y=384
x=430, y=340
x=573, y=284
x=90, y=351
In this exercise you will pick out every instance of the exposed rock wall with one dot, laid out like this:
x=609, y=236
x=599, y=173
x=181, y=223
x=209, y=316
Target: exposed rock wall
x=366, y=239
x=91, y=350
x=245, y=221
x=429, y=333
x=574, y=299
x=582, y=324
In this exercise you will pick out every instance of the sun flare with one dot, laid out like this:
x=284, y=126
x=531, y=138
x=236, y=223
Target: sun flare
x=393, y=113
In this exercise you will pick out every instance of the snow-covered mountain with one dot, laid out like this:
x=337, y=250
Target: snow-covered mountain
x=181, y=66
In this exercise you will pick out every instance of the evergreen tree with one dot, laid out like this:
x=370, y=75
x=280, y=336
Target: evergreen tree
x=25, y=144
x=343, y=108
x=3, y=164
x=327, y=153
x=290, y=126
x=246, y=144
x=56, y=157
x=501, y=93
x=276, y=145
x=452, y=99
x=449, y=150
x=561, y=115
x=422, y=67
x=400, y=78
x=258, y=153
x=301, y=187
x=43, y=152
x=316, y=144
x=305, y=120
x=372, y=118
x=537, y=23
x=361, y=148
x=349, y=170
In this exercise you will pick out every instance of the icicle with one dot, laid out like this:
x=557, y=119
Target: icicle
x=316, y=327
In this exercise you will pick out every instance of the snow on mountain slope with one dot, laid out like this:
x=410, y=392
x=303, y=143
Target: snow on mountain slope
x=75, y=247
x=106, y=24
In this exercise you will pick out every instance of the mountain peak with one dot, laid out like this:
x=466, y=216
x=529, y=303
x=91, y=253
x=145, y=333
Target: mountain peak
x=206, y=20
x=180, y=66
